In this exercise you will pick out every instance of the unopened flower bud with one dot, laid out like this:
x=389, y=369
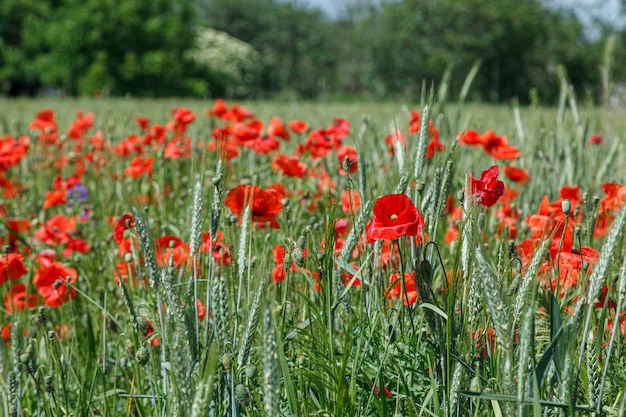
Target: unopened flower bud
x=227, y=361
x=298, y=257
x=142, y=356
x=130, y=347
x=251, y=371
x=566, y=206
x=242, y=395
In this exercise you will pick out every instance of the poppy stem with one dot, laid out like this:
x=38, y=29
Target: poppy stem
x=403, y=292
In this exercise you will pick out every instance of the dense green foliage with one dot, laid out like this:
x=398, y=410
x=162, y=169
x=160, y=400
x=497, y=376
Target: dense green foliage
x=143, y=48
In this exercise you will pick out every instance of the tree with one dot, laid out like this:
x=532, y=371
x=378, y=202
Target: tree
x=83, y=46
x=518, y=41
x=20, y=23
x=298, y=46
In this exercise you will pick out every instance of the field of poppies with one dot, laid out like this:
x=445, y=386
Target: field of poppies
x=248, y=259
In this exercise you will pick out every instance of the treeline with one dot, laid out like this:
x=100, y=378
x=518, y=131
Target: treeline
x=261, y=48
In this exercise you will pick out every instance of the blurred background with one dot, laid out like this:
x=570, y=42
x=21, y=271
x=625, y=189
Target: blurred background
x=313, y=49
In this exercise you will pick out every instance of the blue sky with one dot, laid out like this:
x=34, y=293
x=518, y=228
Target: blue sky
x=608, y=10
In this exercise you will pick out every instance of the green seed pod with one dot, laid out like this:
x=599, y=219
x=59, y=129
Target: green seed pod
x=298, y=257
x=242, y=395
x=460, y=195
x=227, y=361
x=566, y=206
x=142, y=356
x=251, y=371
x=142, y=326
x=130, y=347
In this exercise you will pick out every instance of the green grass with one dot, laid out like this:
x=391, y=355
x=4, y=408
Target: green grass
x=310, y=345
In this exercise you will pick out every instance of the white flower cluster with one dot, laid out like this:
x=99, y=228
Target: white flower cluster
x=225, y=56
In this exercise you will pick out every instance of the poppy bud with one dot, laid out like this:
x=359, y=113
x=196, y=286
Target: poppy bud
x=242, y=395
x=142, y=326
x=130, y=347
x=227, y=361
x=251, y=371
x=566, y=207
x=142, y=356
x=298, y=257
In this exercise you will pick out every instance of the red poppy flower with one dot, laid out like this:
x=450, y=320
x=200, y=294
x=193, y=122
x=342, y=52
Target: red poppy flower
x=395, y=215
x=182, y=118
x=44, y=121
x=278, y=272
x=11, y=267
x=222, y=141
x=265, y=205
x=615, y=196
x=486, y=190
x=415, y=124
x=138, y=167
x=125, y=222
x=350, y=201
x=596, y=139
x=396, y=136
x=219, y=108
x=276, y=128
x=17, y=226
x=82, y=124
x=142, y=122
x=129, y=145
x=262, y=145
x=171, y=248
x=409, y=294
x=347, y=277
x=179, y=147
x=201, y=308
x=236, y=113
x=516, y=174
x=485, y=341
x=220, y=252
x=53, y=283
x=12, y=151
x=56, y=230
x=298, y=126
x=244, y=132
x=17, y=298
x=434, y=146
x=289, y=165
x=348, y=158
x=470, y=137
x=54, y=198
x=508, y=153
x=387, y=392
